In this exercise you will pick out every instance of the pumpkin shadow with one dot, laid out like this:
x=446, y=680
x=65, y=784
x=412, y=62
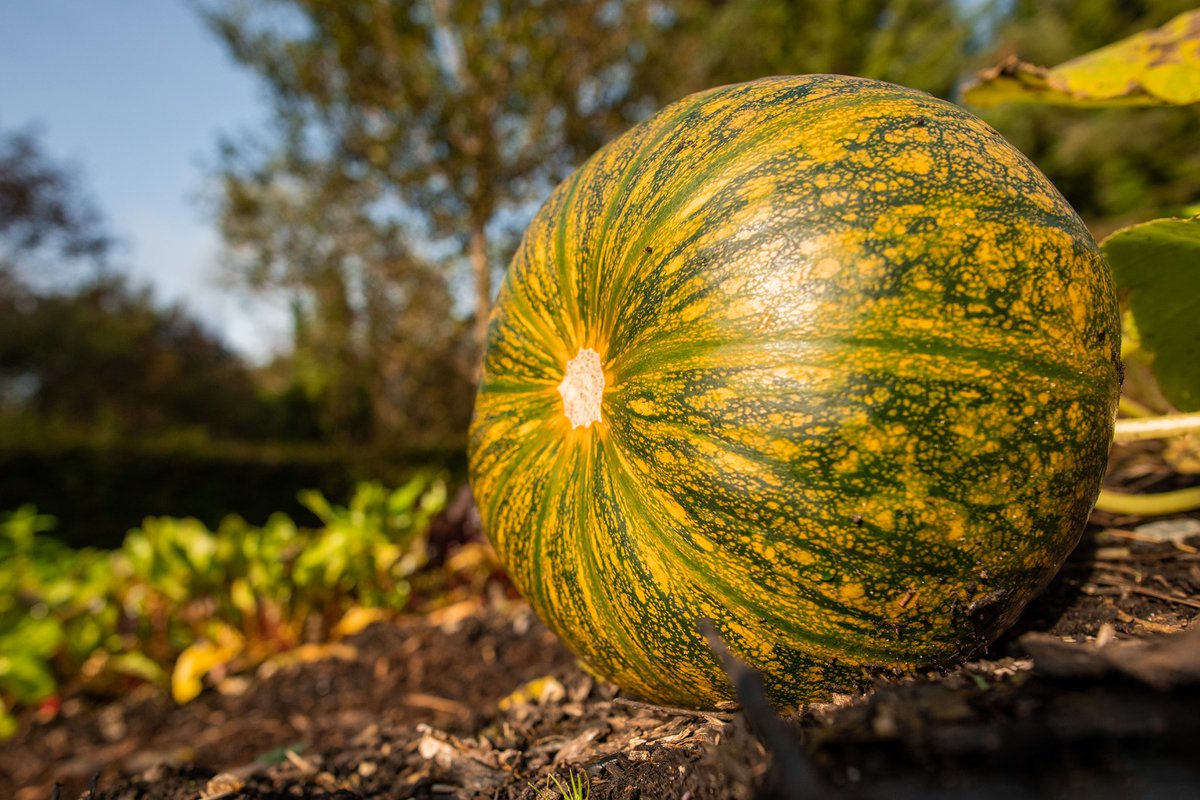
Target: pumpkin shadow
x=1062, y=606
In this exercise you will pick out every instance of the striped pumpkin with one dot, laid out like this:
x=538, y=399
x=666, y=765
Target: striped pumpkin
x=822, y=359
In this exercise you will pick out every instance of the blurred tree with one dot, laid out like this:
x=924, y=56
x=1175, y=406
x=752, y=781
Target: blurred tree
x=1115, y=166
x=46, y=221
x=462, y=113
x=94, y=352
x=102, y=356
x=372, y=323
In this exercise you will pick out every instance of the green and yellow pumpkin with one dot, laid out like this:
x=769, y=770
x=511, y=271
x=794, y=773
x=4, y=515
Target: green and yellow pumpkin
x=824, y=360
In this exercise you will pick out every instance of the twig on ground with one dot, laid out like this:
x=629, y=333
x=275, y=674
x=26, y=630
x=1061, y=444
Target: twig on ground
x=674, y=710
x=1104, y=580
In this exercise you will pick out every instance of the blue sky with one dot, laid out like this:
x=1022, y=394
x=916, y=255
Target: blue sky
x=135, y=93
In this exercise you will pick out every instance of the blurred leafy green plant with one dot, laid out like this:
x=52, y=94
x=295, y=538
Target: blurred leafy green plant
x=57, y=614
x=178, y=601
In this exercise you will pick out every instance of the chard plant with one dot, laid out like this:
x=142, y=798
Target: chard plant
x=177, y=600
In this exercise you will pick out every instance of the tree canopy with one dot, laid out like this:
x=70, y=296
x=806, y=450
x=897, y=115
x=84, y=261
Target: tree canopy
x=88, y=350
x=444, y=121
x=46, y=221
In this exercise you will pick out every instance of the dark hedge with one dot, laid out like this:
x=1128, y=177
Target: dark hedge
x=98, y=493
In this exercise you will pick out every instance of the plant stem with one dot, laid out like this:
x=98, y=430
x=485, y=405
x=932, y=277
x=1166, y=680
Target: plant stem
x=1149, y=505
x=1165, y=426
x=1132, y=408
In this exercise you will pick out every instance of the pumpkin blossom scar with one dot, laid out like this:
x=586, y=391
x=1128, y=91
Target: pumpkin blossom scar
x=582, y=388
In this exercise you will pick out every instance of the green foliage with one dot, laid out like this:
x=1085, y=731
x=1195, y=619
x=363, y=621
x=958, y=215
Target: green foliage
x=54, y=608
x=1157, y=265
x=106, y=618
x=103, y=356
x=27, y=640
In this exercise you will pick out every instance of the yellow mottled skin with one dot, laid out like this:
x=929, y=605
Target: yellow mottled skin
x=859, y=365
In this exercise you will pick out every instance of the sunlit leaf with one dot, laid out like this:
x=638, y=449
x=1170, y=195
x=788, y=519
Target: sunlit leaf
x=197, y=544
x=242, y=596
x=8, y=723
x=404, y=498
x=25, y=677
x=21, y=526
x=435, y=499
x=1157, y=267
x=202, y=657
x=137, y=665
x=1152, y=68
x=139, y=552
x=315, y=502
x=355, y=619
x=40, y=638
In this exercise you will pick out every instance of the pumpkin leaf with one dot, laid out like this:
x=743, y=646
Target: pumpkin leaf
x=1157, y=264
x=1157, y=67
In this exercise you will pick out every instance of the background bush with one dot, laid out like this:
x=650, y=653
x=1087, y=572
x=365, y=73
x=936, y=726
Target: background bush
x=99, y=491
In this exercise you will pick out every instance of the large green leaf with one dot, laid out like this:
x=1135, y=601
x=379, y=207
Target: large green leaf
x=1152, y=68
x=1157, y=264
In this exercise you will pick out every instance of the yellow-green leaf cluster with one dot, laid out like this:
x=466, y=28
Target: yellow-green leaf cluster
x=1153, y=68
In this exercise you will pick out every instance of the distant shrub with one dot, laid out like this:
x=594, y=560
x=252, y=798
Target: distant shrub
x=97, y=491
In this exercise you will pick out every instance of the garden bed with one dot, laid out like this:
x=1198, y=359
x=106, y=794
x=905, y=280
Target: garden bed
x=1095, y=694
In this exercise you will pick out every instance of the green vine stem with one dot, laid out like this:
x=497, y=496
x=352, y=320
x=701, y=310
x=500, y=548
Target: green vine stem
x=1132, y=408
x=1139, y=428
x=1149, y=505
x=1161, y=427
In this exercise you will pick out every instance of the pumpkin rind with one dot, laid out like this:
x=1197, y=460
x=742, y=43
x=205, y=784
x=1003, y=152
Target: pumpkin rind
x=860, y=371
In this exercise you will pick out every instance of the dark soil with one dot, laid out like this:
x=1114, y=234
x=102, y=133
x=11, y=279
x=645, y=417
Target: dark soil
x=1095, y=694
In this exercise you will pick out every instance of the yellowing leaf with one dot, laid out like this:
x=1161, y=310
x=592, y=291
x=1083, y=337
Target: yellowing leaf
x=200, y=658
x=355, y=619
x=543, y=690
x=306, y=653
x=1152, y=68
